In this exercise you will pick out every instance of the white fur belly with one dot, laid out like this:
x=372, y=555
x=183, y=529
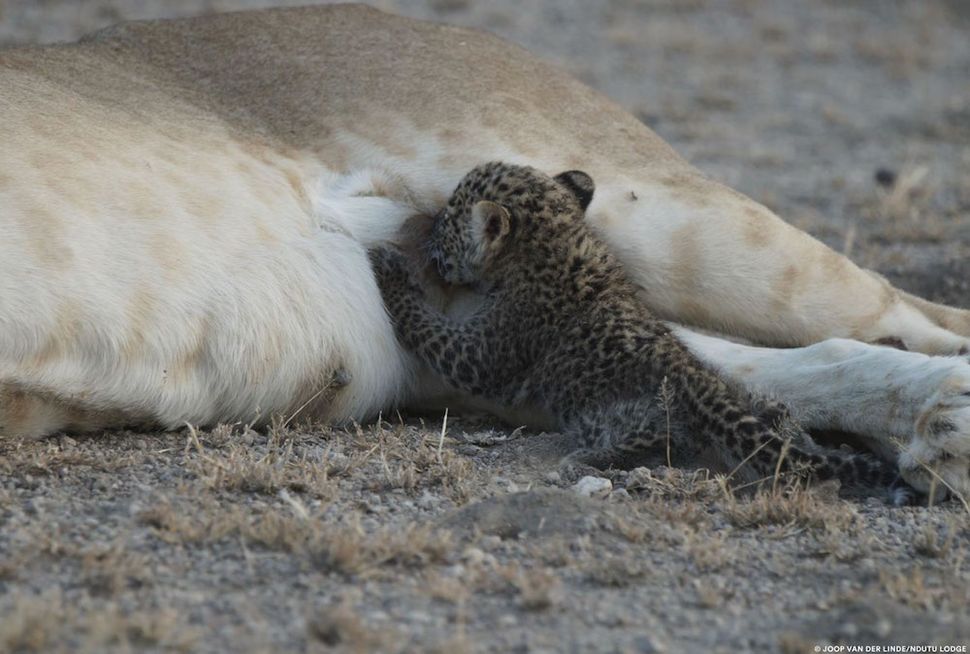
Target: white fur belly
x=182, y=280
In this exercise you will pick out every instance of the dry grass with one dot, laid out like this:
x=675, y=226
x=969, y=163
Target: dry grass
x=794, y=643
x=51, y=623
x=667, y=483
x=536, y=586
x=239, y=467
x=446, y=588
x=105, y=570
x=916, y=589
x=709, y=551
x=25, y=458
x=410, y=459
x=792, y=506
x=388, y=456
x=340, y=626
x=539, y=589
x=108, y=570
x=344, y=547
x=616, y=572
x=845, y=543
x=938, y=542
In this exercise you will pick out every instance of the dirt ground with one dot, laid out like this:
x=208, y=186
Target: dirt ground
x=852, y=120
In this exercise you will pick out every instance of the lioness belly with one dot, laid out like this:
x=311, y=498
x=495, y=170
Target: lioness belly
x=173, y=273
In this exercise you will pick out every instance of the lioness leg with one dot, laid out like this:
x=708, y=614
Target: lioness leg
x=950, y=318
x=911, y=408
x=710, y=257
x=29, y=413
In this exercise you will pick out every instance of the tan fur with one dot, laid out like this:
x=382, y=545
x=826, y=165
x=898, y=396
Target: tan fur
x=200, y=146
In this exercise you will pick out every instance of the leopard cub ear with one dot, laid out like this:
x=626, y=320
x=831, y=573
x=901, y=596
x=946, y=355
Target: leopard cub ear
x=578, y=183
x=492, y=220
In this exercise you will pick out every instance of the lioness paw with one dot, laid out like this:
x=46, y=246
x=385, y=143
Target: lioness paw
x=938, y=456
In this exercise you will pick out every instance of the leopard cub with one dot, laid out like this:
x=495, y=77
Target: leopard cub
x=562, y=328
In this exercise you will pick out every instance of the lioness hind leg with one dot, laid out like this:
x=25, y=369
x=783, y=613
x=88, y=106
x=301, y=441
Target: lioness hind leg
x=26, y=413
x=709, y=257
x=948, y=318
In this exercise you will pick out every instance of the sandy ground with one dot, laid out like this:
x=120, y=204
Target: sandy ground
x=391, y=538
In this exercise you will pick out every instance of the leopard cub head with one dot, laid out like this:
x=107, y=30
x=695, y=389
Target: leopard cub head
x=498, y=208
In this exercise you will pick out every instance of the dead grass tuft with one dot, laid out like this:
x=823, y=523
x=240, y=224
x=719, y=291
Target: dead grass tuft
x=791, y=506
x=709, y=551
x=616, y=572
x=31, y=457
x=846, y=543
x=935, y=542
x=238, y=467
x=108, y=570
x=411, y=460
x=793, y=643
x=339, y=626
x=204, y=522
x=105, y=569
x=538, y=588
x=47, y=623
x=914, y=589
x=445, y=588
x=345, y=548
x=669, y=483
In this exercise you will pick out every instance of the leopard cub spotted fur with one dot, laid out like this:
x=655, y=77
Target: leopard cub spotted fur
x=562, y=328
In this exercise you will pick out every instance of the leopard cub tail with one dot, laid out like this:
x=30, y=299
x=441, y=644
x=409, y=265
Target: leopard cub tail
x=759, y=435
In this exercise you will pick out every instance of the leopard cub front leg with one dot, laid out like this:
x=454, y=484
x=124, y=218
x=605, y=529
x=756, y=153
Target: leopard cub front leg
x=464, y=354
x=397, y=279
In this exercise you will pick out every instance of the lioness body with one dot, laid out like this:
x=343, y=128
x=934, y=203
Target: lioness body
x=185, y=207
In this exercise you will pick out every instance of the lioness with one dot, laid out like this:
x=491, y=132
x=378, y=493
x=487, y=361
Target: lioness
x=186, y=207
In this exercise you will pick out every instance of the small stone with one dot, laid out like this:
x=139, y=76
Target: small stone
x=620, y=494
x=491, y=542
x=427, y=501
x=849, y=630
x=508, y=620
x=552, y=477
x=648, y=645
x=885, y=177
x=593, y=486
x=882, y=628
x=421, y=617
x=473, y=556
x=639, y=478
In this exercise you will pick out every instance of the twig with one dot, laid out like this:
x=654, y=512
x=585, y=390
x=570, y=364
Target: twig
x=665, y=400
x=441, y=439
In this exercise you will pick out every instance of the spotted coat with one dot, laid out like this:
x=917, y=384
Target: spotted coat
x=562, y=328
